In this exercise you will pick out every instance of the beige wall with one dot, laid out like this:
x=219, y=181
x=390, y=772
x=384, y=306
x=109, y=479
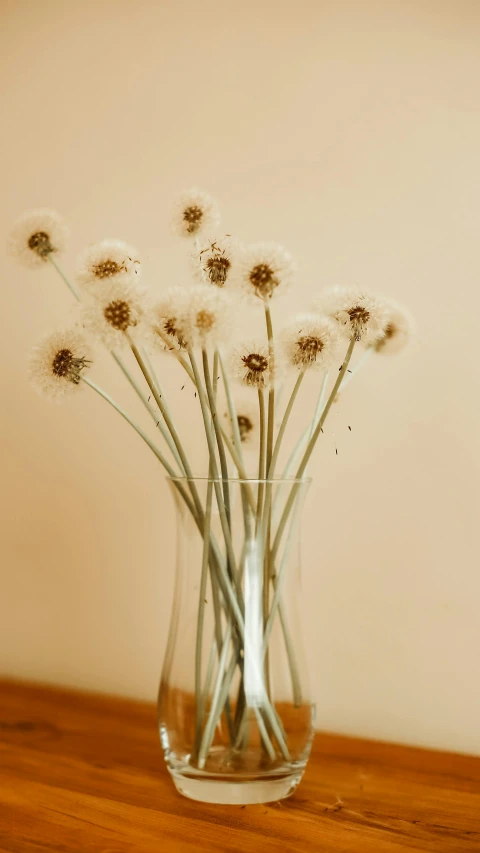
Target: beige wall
x=350, y=131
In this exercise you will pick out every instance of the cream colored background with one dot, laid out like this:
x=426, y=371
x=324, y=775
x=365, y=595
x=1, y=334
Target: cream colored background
x=349, y=131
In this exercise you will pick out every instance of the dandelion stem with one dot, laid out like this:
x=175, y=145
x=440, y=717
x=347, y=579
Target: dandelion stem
x=168, y=420
x=132, y=423
x=318, y=407
x=261, y=456
x=201, y=617
x=62, y=275
x=240, y=704
x=271, y=391
x=219, y=697
x=268, y=558
x=283, y=425
x=212, y=391
x=359, y=365
x=302, y=441
x=277, y=582
x=311, y=445
x=218, y=493
x=232, y=413
x=218, y=435
x=158, y=423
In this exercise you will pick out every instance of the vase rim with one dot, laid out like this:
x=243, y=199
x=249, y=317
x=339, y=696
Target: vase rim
x=250, y=480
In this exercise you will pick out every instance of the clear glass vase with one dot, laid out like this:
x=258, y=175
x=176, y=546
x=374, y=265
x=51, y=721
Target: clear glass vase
x=235, y=711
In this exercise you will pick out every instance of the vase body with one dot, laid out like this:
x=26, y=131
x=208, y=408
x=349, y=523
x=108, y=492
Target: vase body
x=235, y=714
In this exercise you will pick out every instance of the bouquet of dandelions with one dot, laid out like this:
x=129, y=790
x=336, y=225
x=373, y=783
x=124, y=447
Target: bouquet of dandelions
x=194, y=326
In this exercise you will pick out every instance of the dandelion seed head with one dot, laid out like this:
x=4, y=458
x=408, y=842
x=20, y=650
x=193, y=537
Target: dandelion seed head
x=169, y=322
x=217, y=268
x=310, y=341
x=398, y=330
x=58, y=361
x=264, y=271
x=195, y=213
x=356, y=312
x=253, y=365
x=107, y=262
x=248, y=418
x=119, y=308
x=210, y=316
x=213, y=260
x=118, y=314
x=245, y=426
x=36, y=236
x=197, y=316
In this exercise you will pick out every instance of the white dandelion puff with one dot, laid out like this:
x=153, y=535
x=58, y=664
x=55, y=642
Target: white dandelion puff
x=195, y=213
x=264, y=270
x=357, y=313
x=113, y=313
x=36, y=235
x=213, y=260
x=185, y=318
x=209, y=318
x=310, y=341
x=253, y=365
x=58, y=361
x=108, y=261
x=398, y=330
x=248, y=422
x=169, y=321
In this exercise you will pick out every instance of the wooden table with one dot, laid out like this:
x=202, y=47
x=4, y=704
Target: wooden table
x=82, y=772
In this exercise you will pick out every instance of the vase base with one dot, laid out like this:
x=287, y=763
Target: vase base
x=226, y=792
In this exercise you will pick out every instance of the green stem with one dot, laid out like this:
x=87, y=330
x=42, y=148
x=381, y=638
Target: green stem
x=358, y=367
x=302, y=441
x=240, y=704
x=209, y=675
x=158, y=423
x=73, y=290
x=311, y=445
x=218, y=435
x=267, y=528
x=264, y=735
x=276, y=602
x=318, y=407
x=215, y=592
x=168, y=420
x=261, y=458
x=219, y=694
x=283, y=425
x=271, y=391
x=236, y=452
x=231, y=412
x=132, y=423
x=218, y=492
x=201, y=619
x=147, y=440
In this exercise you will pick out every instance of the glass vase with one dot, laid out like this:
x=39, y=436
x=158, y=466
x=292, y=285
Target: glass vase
x=235, y=712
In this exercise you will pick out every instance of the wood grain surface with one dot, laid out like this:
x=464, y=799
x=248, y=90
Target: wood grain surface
x=82, y=772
